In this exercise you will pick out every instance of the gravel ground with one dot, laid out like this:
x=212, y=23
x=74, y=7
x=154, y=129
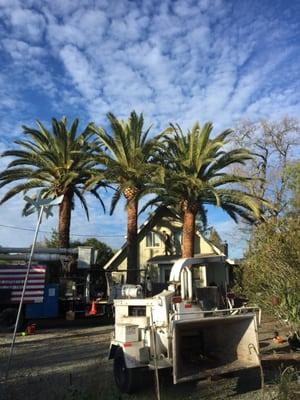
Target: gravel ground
x=71, y=364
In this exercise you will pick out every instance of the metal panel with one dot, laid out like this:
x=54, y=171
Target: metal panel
x=213, y=346
x=126, y=332
x=49, y=307
x=85, y=257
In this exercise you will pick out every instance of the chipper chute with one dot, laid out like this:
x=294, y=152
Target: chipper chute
x=213, y=346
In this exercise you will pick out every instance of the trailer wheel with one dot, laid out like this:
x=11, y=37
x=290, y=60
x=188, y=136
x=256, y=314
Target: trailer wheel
x=124, y=377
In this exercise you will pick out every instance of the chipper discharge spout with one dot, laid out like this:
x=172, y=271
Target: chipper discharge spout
x=213, y=346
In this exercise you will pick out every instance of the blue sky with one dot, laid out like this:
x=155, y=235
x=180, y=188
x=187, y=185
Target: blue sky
x=176, y=61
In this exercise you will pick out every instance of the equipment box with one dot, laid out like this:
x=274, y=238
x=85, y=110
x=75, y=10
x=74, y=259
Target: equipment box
x=127, y=333
x=48, y=308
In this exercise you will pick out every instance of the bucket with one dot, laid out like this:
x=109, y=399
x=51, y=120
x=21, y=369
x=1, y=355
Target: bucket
x=30, y=329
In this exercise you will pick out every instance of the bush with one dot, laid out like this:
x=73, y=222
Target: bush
x=271, y=270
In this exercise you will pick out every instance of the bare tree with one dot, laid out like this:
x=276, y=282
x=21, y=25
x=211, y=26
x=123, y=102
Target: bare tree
x=274, y=144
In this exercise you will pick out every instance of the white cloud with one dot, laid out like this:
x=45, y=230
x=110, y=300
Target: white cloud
x=27, y=24
x=81, y=29
x=64, y=8
x=81, y=71
x=21, y=51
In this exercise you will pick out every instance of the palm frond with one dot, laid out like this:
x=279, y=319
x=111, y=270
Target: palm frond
x=83, y=202
x=20, y=188
x=96, y=194
x=116, y=197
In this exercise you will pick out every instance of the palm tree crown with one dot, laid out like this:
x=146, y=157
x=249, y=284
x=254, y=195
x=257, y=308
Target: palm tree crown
x=196, y=175
x=57, y=162
x=127, y=154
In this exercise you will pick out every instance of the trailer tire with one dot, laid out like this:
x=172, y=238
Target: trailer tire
x=125, y=378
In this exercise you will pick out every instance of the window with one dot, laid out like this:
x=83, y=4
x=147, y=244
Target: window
x=152, y=239
x=164, y=272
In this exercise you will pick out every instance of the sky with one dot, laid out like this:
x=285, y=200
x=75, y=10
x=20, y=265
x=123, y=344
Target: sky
x=176, y=61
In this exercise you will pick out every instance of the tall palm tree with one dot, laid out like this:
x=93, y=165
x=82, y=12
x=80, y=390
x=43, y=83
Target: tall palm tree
x=59, y=162
x=127, y=152
x=196, y=175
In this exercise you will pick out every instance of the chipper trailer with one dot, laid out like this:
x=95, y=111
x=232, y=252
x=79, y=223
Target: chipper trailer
x=181, y=329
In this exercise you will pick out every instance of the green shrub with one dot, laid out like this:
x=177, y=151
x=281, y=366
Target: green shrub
x=271, y=270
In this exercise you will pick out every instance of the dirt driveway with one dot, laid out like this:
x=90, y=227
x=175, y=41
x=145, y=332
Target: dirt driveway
x=72, y=364
x=52, y=361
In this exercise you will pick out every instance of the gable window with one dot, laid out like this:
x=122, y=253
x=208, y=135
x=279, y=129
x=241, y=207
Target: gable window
x=152, y=239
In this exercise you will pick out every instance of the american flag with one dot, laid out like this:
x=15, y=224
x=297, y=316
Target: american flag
x=12, y=279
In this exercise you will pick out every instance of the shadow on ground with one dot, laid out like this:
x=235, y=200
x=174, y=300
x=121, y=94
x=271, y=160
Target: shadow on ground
x=95, y=382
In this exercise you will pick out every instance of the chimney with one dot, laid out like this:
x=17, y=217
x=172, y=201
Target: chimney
x=225, y=246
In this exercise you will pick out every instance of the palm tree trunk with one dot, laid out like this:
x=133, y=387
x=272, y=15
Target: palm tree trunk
x=65, y=220
x=188, y=233
x=132, y=251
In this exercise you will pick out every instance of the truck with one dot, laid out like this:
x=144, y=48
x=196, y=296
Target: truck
x=61, y=283
x=185, y=328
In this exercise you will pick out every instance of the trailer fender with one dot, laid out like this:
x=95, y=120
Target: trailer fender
x=112, y=351
x=131, y=354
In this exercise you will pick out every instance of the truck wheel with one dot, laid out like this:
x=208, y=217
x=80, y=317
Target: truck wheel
x=124, y=377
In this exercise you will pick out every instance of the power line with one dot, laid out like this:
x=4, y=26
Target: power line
x=72, y=234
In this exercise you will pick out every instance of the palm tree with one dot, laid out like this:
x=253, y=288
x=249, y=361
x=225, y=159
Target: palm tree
x=57, y=162
x=196, y=175
x=127, y=154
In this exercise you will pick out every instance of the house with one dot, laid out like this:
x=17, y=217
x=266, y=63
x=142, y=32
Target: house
x=159, y=246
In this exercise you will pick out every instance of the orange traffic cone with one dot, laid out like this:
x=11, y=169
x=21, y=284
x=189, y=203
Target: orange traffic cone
x=93, y=310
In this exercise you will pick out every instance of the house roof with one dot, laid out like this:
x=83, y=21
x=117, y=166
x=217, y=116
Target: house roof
x=219, y=252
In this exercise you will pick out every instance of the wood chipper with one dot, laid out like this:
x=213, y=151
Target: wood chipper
x=182, y=328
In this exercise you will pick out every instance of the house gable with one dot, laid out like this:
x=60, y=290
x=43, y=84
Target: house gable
x=118, y=261
x=162, y=221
